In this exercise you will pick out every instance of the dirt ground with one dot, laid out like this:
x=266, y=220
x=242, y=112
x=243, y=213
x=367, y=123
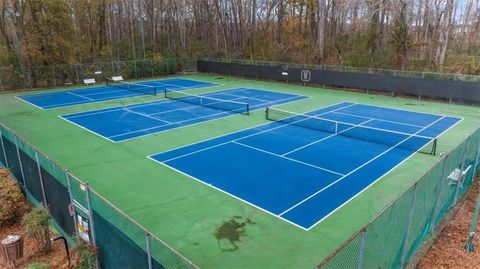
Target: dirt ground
x=448, y=249
x=55, y=258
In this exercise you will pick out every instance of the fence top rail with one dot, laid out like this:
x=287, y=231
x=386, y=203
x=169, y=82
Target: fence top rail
x=392, y=72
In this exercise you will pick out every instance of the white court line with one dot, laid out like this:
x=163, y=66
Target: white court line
x=169, y=123
x=258, y=99
x=81, y=96
x=133, y=105
x=60, y=105
x=325, y=138
x=173, y=110
x=88, y=130
x=375, y=181
x=252, y=108
x=28, y=102
x=264, y=210
x=227, y=193
x=147, y=116
x=356, y=169
x=402, y=109
x=173, y=123
x=255, y=206
x=289, y=159
x=237, y=139
x=165, y=85
x=396, y=122
x=114, y=91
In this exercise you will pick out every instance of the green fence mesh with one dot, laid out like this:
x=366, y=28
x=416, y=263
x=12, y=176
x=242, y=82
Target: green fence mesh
x=78, y=190
x=388, y=241
x=13, y=161
x=392, y=238
x=122, y=242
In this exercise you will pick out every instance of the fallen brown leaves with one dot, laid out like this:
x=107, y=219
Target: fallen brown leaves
x=55, y=256
x=448, y=249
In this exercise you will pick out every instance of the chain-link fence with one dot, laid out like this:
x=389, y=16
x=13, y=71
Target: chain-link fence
x=53, y=76
x=366, y=70
x=392, y=238
x=78, y=209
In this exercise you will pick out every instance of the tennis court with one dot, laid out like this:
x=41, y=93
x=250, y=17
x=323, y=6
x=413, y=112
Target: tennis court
x=303, y=167
x=115, y=90
x=126, y=122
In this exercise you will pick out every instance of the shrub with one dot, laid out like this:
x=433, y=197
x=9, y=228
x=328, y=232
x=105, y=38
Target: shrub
x=37, y=227
x=84, y=255
x=12, y=201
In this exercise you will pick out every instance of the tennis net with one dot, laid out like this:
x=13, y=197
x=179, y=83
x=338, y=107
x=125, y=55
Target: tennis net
x=411, y=142
x=226, y=105
x=140, y=88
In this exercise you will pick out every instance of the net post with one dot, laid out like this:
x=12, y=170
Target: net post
x=70, y=195
x=3, y=148
x=266, y=113
x=434, y=149
x=469, y=246
x=41, y=180
x=21, y=165
x=165, y=93
x=462, y=168
x=409, y=226
x=149, y=253
x=248, y=109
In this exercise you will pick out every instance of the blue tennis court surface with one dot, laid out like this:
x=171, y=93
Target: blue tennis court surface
x=97, y=94
x=303, y=168
x=122, y=123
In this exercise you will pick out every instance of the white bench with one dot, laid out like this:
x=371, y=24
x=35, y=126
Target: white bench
x=89, y=81
x=117, y=78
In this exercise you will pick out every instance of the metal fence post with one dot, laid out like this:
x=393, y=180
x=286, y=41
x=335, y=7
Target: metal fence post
x=168, y=67
x=91, y=219
x=409, y=226
x=53, y=74
x=3, y=148
x=20, y=163
x=149, y=253
x=29, y=80
x=135, y=68
x=1, y=84
x=70, y=195
x=41, y=180
x=90, y=214
x=362, y=249
x=151, y=67
x=76, y=72
x=437, y=194
x=460, y=182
